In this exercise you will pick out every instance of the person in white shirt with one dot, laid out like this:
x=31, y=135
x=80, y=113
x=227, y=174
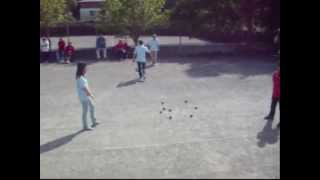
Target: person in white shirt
x=154, y=47
x=139, y=55
x=45, y=50
x=85, y=96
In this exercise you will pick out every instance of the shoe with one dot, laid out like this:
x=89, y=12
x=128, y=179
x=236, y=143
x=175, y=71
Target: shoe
x=87, y=129
x=95, y=124
x=268, y=118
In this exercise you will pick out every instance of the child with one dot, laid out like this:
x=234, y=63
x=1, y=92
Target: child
x=69, y=51
x=140, y=56
x=85, y=96
x=154, y=47
x=275, y=94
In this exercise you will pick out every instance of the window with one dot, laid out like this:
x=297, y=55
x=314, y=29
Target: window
x=92, y=13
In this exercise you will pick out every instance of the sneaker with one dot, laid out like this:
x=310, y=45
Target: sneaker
x=268, y=118
x=95, y=124
x=87, y=129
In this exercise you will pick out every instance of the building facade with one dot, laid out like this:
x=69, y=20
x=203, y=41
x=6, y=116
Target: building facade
x=88, y=9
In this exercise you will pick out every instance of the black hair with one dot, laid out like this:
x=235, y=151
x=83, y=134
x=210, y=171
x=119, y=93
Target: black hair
x=140, y=42
x=80, y=69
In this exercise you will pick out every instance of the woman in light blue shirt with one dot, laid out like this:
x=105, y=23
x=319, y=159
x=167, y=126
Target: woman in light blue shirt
x=85, y=96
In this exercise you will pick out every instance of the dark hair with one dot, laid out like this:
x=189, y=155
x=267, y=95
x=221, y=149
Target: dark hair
x=80, y=69
x=140, y=42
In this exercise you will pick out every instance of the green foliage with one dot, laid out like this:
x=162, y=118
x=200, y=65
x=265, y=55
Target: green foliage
x=53, y=12
x=132, y=17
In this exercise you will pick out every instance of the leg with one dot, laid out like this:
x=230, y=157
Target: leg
x=84, y=114
x=272, y=108
x=152, y=57
x=156, y=56
x=143, y=69
x=92, y=112
x=139, y=69
x=104, y=52
x=98, y=53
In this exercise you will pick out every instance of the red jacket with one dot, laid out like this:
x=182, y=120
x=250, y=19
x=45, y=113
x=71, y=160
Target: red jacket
x=61, y=45
x=276, y=84
x=120, y=46
x=69, y=50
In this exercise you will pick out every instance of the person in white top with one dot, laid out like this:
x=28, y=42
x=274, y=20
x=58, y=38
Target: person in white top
x=139, y=55
x=154, y=47
x=45, y=50
x=85, y=96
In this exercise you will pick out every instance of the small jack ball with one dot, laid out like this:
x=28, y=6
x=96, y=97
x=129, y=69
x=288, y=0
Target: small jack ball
x=160, y=112
x=170, y=110
x=164, y=109
x=162, y=103
x=170, y=117
x=196, y=107
x=191, y=116
x=185, y=101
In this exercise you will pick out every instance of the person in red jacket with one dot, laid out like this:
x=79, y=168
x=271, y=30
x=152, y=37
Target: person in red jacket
x=69, y=51
x=61, y=49
x=275, y=94
x=120, y=50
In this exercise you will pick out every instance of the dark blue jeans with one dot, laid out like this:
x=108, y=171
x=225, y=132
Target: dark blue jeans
x=141, y=68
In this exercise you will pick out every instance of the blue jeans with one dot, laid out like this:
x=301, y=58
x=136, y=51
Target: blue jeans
x=85, y=105
x=141, y=69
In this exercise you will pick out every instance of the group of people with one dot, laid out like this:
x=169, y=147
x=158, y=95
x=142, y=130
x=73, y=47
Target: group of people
x=64, y=53
x=121, y=50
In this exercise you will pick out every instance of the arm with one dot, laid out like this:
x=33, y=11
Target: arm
x=88, y=92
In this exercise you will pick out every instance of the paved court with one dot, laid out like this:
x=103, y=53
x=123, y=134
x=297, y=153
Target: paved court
x=226, y=137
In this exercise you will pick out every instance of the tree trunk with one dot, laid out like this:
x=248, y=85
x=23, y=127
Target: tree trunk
x=135, y=39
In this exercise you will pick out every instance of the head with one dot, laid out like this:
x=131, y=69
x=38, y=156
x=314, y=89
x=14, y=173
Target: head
x=154, y=36
x=140, y=42
x=43, y=39
x=81, y=70
x=120, y=41
x=69, y=43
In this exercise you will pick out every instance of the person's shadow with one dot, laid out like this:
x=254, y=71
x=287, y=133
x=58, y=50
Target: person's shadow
x=127, y=83
x=58, y=142
x=267, y=135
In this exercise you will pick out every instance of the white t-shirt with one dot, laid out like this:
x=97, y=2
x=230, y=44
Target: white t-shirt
x=154, y=45
x=45, y=46
x=141, y=51
x=82, y=83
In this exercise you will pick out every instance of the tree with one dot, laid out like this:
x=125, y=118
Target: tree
x=132, y=17
x=52, y=13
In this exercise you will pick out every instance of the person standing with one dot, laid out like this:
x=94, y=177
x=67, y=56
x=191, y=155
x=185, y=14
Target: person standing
x=45, y=50
x=275, y=95
x=61, y=49
x=101, y=47
x=154, y=47
x=85, y=95
x=139, y=55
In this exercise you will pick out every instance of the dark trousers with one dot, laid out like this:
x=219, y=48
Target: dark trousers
x=141, y=68
x=45, y=56
x=121, y=54
x=274, y=103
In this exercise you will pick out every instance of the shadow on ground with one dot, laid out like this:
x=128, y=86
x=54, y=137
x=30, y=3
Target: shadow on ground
x=212, y=65
x=58, y=142
x=127, y=83
x=267, y=135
